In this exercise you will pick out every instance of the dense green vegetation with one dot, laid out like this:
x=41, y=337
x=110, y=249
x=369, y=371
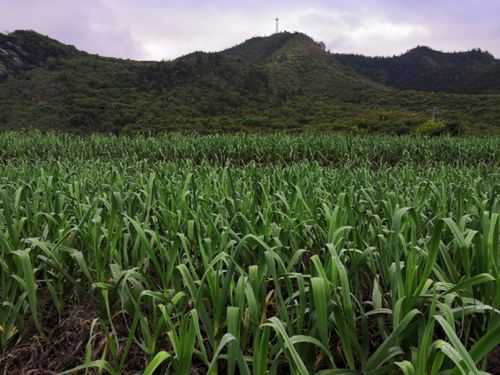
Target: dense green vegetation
x=249, y=254
x=25, y=50
x=242, y=149
x=472, y=72
x=285, y=82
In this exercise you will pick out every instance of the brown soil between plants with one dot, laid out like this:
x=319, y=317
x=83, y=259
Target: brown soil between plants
x=494, y=362
x=63, y=347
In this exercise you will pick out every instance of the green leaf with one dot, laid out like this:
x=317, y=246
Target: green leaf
x=457, y=346
x=378, y=358
x=158, y=359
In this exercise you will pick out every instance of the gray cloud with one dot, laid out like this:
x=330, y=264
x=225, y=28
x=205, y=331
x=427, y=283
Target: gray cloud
x=156, y=29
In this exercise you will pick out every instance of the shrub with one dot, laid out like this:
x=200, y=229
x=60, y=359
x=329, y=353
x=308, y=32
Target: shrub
x=256, y=121
x=432, y=128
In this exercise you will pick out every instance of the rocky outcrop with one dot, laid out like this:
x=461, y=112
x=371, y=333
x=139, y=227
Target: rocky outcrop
x=25, y=50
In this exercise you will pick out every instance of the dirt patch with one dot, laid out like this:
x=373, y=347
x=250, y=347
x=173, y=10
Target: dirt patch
x=494, y=362
x=63, y=347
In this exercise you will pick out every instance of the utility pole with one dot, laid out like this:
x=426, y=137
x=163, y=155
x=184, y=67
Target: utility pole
x=435, y=112
x=277, y=25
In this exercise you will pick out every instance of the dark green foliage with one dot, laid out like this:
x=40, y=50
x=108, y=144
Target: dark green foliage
x=472, y=72
x=24, y=50
x=282, y=82
x=265, y=49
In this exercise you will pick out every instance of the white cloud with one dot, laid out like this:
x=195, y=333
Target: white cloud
x=361, y=32
x=169, y=32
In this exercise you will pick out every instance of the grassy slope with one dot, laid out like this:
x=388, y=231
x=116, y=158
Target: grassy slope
x=285, y=81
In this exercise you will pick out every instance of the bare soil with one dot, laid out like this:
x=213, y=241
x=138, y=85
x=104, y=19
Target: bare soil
x=494, y=362
x=63, y=346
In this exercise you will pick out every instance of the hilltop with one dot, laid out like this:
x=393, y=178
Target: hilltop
x=422, y=68
x=285, y=81
x=25, y=50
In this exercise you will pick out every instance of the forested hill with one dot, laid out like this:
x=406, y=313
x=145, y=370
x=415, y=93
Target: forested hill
x=422, y=68
x=286, y=81
x=24, y=50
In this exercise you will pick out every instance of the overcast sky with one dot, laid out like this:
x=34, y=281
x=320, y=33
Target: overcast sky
x=165, y=29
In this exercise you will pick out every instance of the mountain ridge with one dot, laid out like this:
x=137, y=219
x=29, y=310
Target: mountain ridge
x=425, y=69
x=421, y=68
x=285, y=81
x=23, y=50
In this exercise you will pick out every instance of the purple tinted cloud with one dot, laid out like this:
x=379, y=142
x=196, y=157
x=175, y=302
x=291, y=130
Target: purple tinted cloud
x=156, y=29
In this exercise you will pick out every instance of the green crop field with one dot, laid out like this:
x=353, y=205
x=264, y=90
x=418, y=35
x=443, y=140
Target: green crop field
x=245, y=254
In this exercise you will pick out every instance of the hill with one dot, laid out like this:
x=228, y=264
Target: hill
x=286, y=81
x=422, y=68
x=24, y=50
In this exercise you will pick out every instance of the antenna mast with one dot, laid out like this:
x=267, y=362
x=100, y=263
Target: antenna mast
x=277, y=25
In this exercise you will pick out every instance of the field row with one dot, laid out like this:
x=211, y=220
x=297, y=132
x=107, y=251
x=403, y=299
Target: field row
x=327, y=150
x=194, y=268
